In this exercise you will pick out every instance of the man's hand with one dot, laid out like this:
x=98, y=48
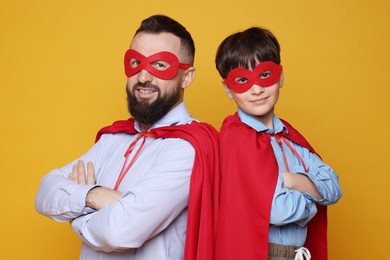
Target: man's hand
x=300, y=182
x=78, y=174
x=98, y=197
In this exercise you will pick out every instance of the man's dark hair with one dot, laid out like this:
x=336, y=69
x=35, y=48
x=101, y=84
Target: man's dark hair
x=161, y=23
x=245, y=49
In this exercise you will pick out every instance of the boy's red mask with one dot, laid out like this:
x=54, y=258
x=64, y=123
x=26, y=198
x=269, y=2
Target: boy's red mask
x=253, y=77
x=147, y=63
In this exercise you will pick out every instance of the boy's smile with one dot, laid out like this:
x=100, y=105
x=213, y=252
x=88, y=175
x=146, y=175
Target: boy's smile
x=257, y=101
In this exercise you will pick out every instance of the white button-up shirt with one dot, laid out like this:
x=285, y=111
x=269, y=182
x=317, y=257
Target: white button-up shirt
x=149, y=221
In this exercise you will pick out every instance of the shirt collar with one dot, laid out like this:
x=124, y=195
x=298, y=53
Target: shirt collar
x=177, y=116
x=260, y=127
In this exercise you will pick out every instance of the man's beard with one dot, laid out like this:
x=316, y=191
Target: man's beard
x=149, y=113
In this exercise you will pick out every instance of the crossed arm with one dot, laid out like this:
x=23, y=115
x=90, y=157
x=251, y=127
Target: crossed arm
x=98, y=197
x=301, y=183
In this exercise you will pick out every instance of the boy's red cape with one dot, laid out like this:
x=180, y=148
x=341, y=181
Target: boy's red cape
x=248, y=186
x=203, y=201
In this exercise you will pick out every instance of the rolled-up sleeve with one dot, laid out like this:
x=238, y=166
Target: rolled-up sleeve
x=291, y=206
x=323, y=177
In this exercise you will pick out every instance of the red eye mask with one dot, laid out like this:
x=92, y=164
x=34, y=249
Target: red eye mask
x=265, y=74
x=150, y=64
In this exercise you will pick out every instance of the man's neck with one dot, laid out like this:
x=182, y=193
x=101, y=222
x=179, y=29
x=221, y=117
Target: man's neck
x=145, y=128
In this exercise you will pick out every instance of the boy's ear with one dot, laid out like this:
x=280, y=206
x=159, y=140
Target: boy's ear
x=281, y=80
x=188, y=77
x=227, y=90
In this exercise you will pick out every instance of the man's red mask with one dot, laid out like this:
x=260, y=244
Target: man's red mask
x=265, y=74
x=163, y=65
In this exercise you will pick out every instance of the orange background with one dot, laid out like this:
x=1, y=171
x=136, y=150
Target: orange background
x=62, y=79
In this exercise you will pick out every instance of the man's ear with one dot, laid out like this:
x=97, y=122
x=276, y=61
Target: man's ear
x=228, y=91
x=188, y=77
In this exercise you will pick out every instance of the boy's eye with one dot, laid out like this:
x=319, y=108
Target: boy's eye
x=160, y=65
x=134, y=63
x=241, y=80
x=265, y=74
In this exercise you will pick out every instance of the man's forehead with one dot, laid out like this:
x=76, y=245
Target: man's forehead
x=151, y=43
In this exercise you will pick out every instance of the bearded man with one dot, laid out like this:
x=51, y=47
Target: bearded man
x=147, y=188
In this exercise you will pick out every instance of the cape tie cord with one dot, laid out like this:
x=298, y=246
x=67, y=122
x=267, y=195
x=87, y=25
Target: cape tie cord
x=124, y=170
x=279, y=138
x=203, y=200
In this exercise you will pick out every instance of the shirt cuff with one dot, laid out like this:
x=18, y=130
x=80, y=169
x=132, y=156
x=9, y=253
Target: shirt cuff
x=311, y=210
x=307, y=195
x=78, y=196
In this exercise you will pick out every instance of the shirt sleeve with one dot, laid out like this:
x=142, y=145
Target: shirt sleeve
x=145, y=209
x=323, y=177
x=291, y=206
x=60, y=198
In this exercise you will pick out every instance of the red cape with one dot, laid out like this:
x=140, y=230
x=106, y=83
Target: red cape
x=203, y=201
x=247, y=189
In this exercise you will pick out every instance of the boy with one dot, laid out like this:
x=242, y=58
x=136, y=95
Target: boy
x=272, y=180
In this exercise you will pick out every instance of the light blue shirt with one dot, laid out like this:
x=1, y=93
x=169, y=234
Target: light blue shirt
x=149, y=221
x=291, y=210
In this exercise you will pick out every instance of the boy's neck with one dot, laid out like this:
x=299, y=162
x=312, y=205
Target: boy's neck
x=267, y=120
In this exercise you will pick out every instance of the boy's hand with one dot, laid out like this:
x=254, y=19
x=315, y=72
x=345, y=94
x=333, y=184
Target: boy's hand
x=301, y=183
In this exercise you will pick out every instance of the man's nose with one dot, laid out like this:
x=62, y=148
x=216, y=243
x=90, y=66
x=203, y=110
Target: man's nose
x=144, y=76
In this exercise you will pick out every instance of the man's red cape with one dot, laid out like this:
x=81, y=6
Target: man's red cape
x=203, y=201
x=249, y=175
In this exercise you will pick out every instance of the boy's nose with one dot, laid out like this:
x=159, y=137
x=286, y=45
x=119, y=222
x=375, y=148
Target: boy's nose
x=256, y=89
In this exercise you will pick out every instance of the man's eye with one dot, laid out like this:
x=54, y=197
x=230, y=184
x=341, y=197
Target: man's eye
x=241, y=80
x=160, y=65
x=134, y=63
x=265, y=74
